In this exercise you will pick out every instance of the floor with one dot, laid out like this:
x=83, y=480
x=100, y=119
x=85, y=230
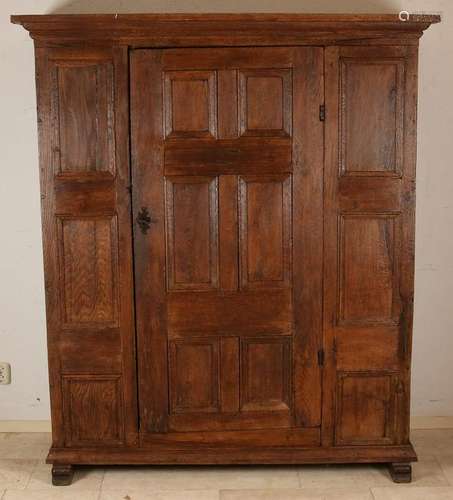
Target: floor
x=25, y=476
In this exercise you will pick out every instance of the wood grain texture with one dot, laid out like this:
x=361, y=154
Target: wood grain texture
x=374, y=316
x=87, y=230
x=307, y=234
x=243, y=455
x=150, y=300
x=82, y=101
x=192, y=225
x=189, y=30
x=368, y=281
x=92, y=410
x=194, y=375
x=265, y=231
x=266, y=373
x=265, y=102
x=263, y=271
x=365, y=408
x=190, y=104
x=377, y=87
x=228, y=237
x=89, y=271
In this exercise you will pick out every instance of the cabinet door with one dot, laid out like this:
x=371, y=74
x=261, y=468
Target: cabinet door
x=83, y=124
x=227, y=166
x=369, y=242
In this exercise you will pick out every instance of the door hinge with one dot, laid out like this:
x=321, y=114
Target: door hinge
x=322, y=113
x=321, y=357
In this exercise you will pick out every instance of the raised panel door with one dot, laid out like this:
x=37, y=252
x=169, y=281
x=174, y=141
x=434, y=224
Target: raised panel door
x=228, y=290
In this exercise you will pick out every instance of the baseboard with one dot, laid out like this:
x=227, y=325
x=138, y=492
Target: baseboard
x=25, y=426
x=44, y=425
x=432, y=422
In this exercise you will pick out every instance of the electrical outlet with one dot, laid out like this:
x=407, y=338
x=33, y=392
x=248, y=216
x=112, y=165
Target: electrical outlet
x=5, y=373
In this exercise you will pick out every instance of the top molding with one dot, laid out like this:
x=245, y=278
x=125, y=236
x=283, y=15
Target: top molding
x=183, y=30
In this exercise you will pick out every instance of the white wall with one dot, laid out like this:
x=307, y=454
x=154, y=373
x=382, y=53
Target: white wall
x=22, y=324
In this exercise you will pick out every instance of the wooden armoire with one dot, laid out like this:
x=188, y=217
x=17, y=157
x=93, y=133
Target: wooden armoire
x=228, y=224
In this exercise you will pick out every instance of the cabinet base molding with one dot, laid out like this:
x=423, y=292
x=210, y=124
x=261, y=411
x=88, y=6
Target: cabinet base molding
x=399, y=455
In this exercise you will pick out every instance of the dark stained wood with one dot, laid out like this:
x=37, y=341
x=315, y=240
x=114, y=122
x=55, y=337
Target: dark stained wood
x=228, y=232
x=223, y=157
x=272, y=298
x=307, y=235
x=230, y=370
x=192, y=221
x=62, y=474
x=266, y=373
x=150, y=302
x=264, y=231
x=367, y=330
x=215, y=313
x=400, y=472
x=179, y=30
x=88, y=270
x=253, y=438
x=377, y=87
x=228, y=237
x=92, y=410
x=240, y=455
x=365, y=410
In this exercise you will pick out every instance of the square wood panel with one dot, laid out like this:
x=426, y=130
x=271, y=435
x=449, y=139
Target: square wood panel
x=93, y=410
x=190, y=104
x=265, y=102
x=365, y=412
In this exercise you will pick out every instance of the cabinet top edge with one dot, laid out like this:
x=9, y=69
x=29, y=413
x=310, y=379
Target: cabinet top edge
x=179, y=30
x=124, y=20
x=249, y=16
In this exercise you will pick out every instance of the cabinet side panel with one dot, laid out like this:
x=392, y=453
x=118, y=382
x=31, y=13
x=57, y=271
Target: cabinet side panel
x=369, y=243
x=87, y=246
x=43, y=86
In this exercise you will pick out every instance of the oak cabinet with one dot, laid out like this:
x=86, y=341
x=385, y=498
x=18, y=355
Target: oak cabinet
x=228, y=226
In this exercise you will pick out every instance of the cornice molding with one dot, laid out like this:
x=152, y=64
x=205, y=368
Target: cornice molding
x=183, y=30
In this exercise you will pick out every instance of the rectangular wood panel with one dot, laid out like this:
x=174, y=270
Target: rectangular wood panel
x=227, y=156
x=265, y=102
x=265, y=373
x=372, y=111
x=192, y=233
x=265, y=231
x=82, y=110
x=194, y=375
x=207, y=313
x=368, y=268
x=365, y=408
x=88, y=255
x=93, y=410
x=190, y=104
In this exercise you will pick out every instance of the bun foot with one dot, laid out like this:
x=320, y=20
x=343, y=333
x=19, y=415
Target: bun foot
x=62, y=475
x=400, y=472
